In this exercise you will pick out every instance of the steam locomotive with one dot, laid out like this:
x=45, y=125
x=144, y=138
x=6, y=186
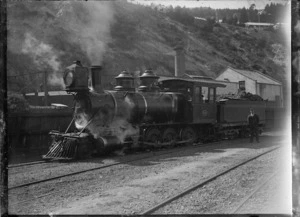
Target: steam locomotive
x=162, y=111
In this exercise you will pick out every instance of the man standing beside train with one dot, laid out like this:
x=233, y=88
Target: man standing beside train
x=253, y=121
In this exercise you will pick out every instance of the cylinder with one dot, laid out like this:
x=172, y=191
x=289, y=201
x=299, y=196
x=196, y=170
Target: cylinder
x=109, y=141
x=95, y=79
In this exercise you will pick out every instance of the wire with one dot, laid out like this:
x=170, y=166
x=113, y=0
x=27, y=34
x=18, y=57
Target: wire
x=25, y=74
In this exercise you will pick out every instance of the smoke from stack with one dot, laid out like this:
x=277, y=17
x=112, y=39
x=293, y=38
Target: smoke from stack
x=89, y=25
x=54, y=33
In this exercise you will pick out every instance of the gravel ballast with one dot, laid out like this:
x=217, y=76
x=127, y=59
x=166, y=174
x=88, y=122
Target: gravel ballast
x=133, y=187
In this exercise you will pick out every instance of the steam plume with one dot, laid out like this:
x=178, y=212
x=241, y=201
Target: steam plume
x=45, y=57
x=89, y=23
x=55, y=33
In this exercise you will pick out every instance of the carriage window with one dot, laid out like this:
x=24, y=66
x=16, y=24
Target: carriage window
x=212, y=94
x=205, y=94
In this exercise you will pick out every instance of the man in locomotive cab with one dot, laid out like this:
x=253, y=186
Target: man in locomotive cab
x=253, y=122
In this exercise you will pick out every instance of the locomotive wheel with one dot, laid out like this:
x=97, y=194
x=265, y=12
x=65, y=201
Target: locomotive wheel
x=188, y=133
x=169, y=135
x=152, y=135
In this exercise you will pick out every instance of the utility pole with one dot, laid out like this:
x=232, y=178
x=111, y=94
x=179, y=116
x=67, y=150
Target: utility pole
x=298, y=97
x=46, y=88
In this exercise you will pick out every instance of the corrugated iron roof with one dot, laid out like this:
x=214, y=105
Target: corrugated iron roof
x=200, y=18
x=259, y=24
x=204, y=82
x=50, y=93
x=257, y=76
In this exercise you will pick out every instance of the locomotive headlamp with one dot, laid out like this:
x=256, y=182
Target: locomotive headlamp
x=76, y=77
x=69, y=79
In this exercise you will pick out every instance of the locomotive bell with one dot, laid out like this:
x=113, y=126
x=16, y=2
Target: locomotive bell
x=76, y=77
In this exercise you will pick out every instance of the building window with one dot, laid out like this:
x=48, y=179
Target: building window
x=242, y=85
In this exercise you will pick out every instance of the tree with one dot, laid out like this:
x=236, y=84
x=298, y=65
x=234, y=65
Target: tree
x=224, y=20
x=252, y=13
x=235, y=19
x=210, y=23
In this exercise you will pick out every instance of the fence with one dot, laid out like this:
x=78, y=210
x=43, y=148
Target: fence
x=28, y=131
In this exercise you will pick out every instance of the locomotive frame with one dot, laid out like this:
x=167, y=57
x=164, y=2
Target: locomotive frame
x=162, y=111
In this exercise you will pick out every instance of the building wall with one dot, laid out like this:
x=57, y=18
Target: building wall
x=269, y=91
x=232, y=76
x=231, y=88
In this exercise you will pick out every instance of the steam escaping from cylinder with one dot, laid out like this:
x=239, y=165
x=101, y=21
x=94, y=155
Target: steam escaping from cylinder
x=105, y=122
x=81, y=120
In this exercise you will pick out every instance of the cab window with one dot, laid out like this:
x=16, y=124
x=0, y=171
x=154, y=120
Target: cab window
x=212, y=94
x=198, y=96
x=205, y=94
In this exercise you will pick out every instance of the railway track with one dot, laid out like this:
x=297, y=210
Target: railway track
x=58, y=160
x=29, y=163
x=105, y=166
x=201, y=184
x=249, y=196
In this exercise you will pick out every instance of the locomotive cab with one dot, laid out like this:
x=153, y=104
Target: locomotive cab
x=200, y=94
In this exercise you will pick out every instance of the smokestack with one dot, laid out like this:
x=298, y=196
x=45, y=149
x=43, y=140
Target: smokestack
x=179, y=61
x=95, y=79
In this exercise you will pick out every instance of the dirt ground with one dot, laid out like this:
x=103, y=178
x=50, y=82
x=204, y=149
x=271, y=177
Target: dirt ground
x=134, y=187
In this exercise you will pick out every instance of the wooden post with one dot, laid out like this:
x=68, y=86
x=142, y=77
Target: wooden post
x=45, y=88
x=298, y=98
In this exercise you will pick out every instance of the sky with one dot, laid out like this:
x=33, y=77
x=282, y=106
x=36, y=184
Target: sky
x=216, y=4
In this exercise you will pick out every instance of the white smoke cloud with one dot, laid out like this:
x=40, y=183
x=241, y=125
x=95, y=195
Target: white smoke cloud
x=89, y=22
x=42, y=54
x=45, y=57
x=57, y=29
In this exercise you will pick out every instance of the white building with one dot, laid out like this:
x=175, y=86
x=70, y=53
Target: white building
x=258, y=25
x=253, y=82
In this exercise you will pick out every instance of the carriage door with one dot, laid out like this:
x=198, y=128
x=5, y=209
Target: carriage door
x=205, y=111
x=197, y=102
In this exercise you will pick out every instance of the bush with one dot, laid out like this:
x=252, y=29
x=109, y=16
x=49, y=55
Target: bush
x=262, y=42
x=16, y=102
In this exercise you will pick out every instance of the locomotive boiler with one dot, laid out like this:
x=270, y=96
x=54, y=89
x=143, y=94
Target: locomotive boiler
x=161, y=111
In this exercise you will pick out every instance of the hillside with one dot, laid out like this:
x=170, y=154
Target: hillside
x=48, y=36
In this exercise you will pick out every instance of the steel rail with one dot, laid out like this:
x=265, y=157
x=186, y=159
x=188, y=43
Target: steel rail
x=63, y=159
x=263, y=183
x=198, y=185
x=105, y=166
x=29, y=163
